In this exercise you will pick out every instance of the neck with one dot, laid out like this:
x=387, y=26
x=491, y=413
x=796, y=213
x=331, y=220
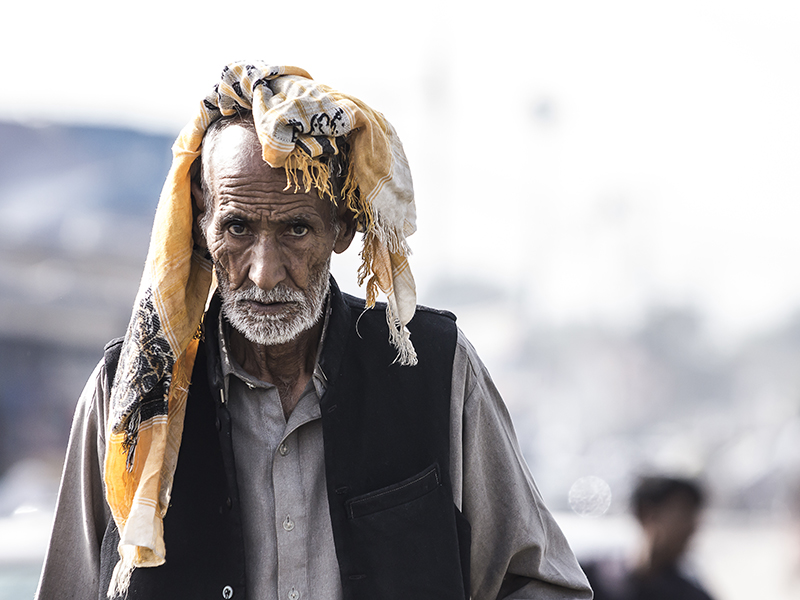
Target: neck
x=654, y=560
x=288, y=366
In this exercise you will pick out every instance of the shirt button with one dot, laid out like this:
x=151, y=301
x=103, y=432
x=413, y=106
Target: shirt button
x=283, y=449
x=293, y=594
x=288, y=524
x=227, y=592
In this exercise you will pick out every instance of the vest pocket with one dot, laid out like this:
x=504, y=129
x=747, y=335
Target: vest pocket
x=405, y=542
x=394, y=495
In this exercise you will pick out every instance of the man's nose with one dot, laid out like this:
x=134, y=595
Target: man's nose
x=267, y=268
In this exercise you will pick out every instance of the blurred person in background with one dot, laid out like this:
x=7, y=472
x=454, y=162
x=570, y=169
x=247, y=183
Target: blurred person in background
x=277, y=438
x=668, y=510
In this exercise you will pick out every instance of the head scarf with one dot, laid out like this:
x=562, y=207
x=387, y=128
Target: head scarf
x=297, y=121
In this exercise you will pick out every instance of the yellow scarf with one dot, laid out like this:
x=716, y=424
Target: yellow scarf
x=293, y=115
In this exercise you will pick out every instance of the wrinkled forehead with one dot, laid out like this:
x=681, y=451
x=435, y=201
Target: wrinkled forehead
x=235, y=146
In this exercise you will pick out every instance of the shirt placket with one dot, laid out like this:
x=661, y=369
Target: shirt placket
x=291, y=518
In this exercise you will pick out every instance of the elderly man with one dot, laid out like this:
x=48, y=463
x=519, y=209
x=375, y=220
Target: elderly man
x=262, y=435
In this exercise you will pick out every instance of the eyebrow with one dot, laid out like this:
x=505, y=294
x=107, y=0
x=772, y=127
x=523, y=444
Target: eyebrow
x=237, y=214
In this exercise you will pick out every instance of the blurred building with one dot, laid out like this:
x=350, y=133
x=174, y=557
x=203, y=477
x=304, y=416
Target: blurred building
x=76, y=205
x=589, y=400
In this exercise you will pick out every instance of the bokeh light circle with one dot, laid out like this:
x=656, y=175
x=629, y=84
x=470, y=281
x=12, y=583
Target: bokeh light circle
x=590, y=496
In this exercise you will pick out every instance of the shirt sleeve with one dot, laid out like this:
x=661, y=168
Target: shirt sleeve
x=72, y=563
x=518, y=551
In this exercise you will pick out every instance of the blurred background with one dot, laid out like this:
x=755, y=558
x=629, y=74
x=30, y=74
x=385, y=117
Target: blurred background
x=608, y=198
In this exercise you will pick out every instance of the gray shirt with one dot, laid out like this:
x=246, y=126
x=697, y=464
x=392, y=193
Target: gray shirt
x=281, y=474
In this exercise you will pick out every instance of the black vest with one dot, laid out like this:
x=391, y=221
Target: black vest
x=386, y=431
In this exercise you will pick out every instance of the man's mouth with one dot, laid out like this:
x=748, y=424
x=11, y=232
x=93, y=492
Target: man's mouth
x=268, y=308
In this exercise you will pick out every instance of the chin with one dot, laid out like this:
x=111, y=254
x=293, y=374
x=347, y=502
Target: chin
x=271, y=332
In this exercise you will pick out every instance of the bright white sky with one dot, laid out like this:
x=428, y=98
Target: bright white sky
x=600, y=157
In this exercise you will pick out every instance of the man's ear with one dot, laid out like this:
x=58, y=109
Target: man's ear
x=198, y=210
x=347, y=230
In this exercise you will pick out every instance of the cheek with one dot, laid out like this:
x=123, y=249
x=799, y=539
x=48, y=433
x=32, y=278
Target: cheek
x=223, y=258
x=216, y=248
x=306, y=263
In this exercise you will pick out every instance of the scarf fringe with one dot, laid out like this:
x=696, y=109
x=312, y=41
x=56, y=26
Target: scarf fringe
x=389, y=236
x=400, y=338
x=302, y=171
x=121, y=577
x=363, y=212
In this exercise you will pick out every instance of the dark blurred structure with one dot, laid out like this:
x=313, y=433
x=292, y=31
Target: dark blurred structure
x=76, y=205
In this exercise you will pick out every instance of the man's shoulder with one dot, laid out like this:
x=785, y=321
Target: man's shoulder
x=111, y=353
x=380, y=307
x=114, y=345
x=433, y=332
x=421, y=309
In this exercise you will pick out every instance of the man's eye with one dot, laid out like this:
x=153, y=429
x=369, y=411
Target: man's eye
x=298, y=230
x=237, y=228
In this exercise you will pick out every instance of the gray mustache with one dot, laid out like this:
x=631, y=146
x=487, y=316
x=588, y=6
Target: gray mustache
x=280, y=293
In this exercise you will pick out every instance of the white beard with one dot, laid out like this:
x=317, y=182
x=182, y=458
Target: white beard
x=303, y=312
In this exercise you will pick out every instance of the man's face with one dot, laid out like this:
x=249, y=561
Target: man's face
x=670, y=526
x=271, y=247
